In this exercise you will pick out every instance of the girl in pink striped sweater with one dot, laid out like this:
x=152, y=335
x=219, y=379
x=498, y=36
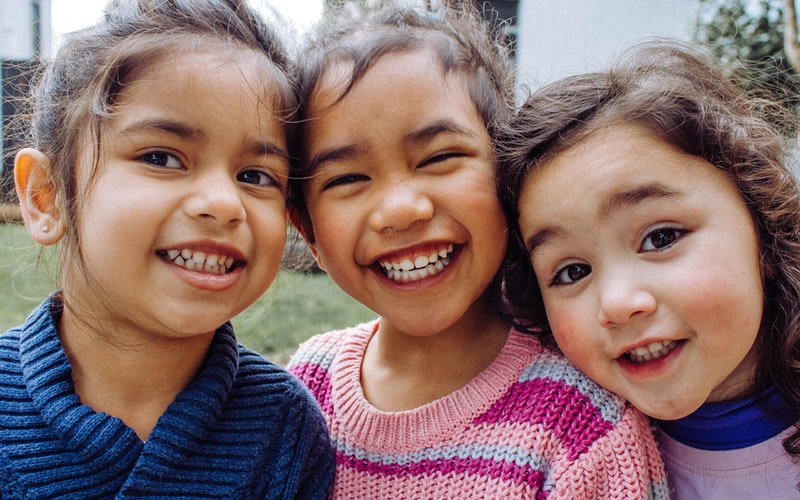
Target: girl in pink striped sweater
x=440, y=396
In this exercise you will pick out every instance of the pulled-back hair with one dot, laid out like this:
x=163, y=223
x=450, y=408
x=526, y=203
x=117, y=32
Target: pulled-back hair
x=677, y=94
x=75, y=93
x=461, y=38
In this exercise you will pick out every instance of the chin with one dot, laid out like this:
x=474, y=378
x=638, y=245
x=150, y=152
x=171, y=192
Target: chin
x=670, y=413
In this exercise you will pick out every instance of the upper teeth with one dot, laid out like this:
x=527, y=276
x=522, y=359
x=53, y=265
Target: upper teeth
x=201, y=261
x=651, y=351
x=421, y=267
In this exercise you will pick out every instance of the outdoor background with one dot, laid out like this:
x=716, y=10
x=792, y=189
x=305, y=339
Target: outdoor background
x=552, y=38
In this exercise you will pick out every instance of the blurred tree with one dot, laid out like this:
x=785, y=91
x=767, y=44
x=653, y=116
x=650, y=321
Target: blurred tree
x=790, y=43
x=757, y=40
x=332, y=5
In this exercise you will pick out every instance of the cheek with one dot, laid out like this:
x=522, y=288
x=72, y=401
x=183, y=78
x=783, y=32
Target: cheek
x=271, y=227
x=731, y=287
x=570, y=330
x=329, y=235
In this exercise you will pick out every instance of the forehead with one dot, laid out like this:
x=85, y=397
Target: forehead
x=402, y=101
x=213, y=97
x=619, y=155
x=617, y=170
x=342, y=77
x=189, y=59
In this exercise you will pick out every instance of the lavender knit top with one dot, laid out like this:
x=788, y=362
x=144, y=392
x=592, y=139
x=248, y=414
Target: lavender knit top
x=529, y=426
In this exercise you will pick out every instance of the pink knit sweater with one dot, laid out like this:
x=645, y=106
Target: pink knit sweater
x=529, y=426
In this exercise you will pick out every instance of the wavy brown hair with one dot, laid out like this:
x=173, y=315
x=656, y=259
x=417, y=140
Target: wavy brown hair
x=680, y=96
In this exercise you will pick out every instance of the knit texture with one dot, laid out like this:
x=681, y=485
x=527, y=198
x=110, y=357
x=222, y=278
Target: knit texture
x=529, y=426
x=244, y=428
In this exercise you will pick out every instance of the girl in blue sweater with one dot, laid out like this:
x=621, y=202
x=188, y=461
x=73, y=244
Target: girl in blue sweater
x=160, y=164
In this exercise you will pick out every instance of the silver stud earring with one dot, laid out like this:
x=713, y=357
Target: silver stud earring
x=45, y=229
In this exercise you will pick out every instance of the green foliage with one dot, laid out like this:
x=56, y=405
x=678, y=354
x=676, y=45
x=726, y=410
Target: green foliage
x=333, y=5
x=25, y=275
x=747, y=36
x=297, y=306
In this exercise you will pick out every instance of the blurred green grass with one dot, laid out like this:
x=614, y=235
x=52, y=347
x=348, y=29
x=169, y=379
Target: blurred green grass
x=297, y=305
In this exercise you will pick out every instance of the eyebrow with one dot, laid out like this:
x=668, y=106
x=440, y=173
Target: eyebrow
x=619, y=201
x=169, y=126
x=265, y=148
x=431, y=131
x=334, y=154
x=415, y=137
x=636, y=196
x=541, y=237
x=254, y=146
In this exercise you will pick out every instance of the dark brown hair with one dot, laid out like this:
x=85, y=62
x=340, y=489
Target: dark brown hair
x=676, y=93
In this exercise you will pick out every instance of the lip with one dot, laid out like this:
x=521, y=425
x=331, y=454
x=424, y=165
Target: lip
x=202, y=279
x=652, y=367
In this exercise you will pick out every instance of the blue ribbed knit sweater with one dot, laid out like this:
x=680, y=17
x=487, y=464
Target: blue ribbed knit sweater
x=244, y=428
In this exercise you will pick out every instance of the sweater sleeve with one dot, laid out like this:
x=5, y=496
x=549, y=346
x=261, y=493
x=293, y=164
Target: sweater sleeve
x=296, y=458
x=623, y=464
x=315, y=459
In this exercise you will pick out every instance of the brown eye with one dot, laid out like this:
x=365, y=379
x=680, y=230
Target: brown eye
x=344, y=179
x=161, y=159
x=255, y=177
x=571, y=273
x=661, y=238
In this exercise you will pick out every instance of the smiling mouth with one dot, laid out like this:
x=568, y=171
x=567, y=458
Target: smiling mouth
x=651, y=351
x=423, y=266
x=195, y=260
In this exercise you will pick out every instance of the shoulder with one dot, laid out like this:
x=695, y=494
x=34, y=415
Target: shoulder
x=316, y=359
x=39, y=320
x=552, y=395
x=9, y=342
x=263, y=388
x=604, y=441
x=564, y=385
x=319, y=352
x=261, y=378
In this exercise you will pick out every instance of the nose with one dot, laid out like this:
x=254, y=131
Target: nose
x=624, y=297
x=216, y=198
x=399, y=206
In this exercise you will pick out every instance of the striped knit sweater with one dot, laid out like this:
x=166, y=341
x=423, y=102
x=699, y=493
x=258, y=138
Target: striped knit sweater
x=243, y=428
x=529, y=426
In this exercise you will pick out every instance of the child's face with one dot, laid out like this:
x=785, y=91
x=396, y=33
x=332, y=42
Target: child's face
x=183, y=225
x=648, y=262
x=403, y=179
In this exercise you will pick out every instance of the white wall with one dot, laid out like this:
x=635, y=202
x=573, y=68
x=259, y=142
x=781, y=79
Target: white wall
x=557, y=38
x=16, y=35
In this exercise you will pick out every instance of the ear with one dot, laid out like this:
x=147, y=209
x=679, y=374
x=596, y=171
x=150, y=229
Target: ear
x=38, y=199
x=302, y=223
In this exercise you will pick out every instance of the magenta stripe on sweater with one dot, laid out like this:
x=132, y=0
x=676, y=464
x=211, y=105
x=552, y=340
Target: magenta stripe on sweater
x=505, y=471
x=318, y=380
x=577, y=422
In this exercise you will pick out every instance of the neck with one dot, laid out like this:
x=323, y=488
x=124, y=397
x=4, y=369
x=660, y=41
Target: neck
x=134, y=382
x=402, y=371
